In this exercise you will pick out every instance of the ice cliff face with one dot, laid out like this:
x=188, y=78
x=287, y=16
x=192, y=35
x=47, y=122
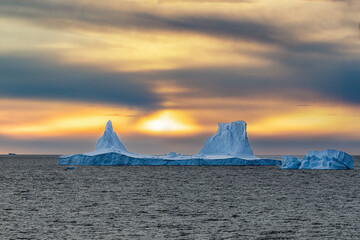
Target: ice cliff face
x=328, y=159
x=230, y=139
x=110, y=141
x=290, y=162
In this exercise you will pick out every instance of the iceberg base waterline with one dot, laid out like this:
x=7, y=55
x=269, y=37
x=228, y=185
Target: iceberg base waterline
x=111, y=159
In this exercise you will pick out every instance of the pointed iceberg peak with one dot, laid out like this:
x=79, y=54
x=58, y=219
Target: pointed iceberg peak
x=110, y=141
x=109, y=126
x=230, y=139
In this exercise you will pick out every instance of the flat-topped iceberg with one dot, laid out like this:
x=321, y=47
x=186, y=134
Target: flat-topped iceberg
x=229, y=146
x=230, y=139
x=328, y=159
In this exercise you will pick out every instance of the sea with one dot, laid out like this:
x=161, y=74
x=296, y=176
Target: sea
x=41, y=200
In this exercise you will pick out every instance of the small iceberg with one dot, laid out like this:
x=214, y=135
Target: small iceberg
x=229, y=146
x=327, y=159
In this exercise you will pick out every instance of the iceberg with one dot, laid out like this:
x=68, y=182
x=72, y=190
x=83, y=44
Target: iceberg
x=230, y=139
x=327, y=159
x=109, y=141
x=290, y=162
x=229, y=146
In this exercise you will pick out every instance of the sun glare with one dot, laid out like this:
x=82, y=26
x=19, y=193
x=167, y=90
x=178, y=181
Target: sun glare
x=166, y=122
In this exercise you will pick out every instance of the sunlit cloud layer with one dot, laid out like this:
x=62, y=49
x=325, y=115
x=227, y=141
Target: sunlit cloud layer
x=167, y=71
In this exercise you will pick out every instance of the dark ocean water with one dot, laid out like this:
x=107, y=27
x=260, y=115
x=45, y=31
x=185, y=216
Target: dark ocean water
x=41, y=200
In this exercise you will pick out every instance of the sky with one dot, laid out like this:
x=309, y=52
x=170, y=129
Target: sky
x=167, y=71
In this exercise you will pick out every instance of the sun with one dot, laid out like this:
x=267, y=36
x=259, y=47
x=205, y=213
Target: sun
x=166, y=122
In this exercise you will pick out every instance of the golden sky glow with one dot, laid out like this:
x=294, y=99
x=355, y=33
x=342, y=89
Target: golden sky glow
x=167, y=122
x=174, y=69
x=37, y=119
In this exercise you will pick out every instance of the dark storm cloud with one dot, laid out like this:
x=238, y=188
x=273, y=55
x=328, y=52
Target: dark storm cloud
x=32, y=78
x=319, y=80
x=75, y=15
x=334, y=80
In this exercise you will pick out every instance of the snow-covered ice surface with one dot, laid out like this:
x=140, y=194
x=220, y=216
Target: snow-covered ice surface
x=229, y=146
x=327, y=159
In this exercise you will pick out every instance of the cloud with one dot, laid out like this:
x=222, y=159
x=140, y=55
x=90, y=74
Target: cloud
x=206, y=1
x=22, y=77
x=300, y=78
x=73, y=15
x=335, y=78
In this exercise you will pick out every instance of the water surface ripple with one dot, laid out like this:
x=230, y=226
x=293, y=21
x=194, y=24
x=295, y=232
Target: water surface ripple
x=40, y=200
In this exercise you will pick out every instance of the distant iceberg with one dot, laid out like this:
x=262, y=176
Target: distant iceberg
x=328, y=159
x=229, y=146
